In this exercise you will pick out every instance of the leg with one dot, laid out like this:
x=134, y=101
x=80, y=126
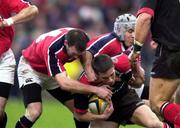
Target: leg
x=66, y=98
x=4, y=93
x=177, y=96
x=32, y=101
x=103, y=124
x=145, y=117
x=161, y=91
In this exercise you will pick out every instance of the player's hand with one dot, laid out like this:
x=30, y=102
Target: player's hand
x=104, y=93
x=108, y=111
x=6, y=22
x=133, y=59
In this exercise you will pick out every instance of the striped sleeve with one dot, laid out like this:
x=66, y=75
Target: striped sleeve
x=54, y=64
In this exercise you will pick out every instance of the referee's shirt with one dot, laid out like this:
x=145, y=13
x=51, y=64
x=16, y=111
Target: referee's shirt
x=165, y=26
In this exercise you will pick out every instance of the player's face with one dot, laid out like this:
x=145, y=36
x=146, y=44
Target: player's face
x=72, y=52
x=108, y=77
x=129, y=37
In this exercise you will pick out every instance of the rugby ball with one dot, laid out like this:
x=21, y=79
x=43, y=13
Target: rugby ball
x=97, y=105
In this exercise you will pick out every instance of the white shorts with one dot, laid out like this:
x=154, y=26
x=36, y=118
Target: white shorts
x=27, y=75
x=7, y=67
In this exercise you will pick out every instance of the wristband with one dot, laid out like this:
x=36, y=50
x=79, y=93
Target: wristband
x=9, y=21
x=137, y=46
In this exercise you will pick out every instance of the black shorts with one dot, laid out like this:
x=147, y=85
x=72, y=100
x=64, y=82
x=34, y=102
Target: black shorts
x=125, y=106
x=145, y=93
x=61, y=95
x=166, y=65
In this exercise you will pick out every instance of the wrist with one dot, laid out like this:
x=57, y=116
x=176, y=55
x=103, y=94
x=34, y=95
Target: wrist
x=94, y=90
x=9, y=21
x=137, y=46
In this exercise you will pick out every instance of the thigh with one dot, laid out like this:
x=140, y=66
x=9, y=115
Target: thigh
x=103, y=124
x=125, y=106
x=161, y=90
x=177, y=96
x=26, y=74
x=7, y=67
x=61, y=95
x=145, y=117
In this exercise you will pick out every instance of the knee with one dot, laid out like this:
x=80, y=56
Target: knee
x=154, y=123
x=33, y=112
x=156, y=105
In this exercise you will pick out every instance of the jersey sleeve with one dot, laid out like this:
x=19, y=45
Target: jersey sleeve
x=54, y=65
x=81, y=103
x=93, y=46
x=121, y=63
x=101, y=44
x=147, y=6
x=53, y=62
x=81, y=100
x=17, y=5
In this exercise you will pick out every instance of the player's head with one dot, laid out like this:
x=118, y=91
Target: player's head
x=76, y=42
x=124, y=27
x=104, y=69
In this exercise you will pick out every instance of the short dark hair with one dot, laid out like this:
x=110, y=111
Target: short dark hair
x=77, y=38
x=102, y=63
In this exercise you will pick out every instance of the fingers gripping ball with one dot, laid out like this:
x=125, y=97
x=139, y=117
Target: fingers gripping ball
x=97, y=105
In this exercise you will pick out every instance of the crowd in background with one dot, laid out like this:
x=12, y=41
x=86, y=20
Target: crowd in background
x=93, y=16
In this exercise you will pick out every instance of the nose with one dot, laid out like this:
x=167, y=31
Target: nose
x=110, y=80
x=133, y=34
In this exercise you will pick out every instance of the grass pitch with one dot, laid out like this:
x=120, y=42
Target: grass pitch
x=54, y=114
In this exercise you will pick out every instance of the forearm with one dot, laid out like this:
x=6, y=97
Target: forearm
x=138, y=74
x=74, y=85
x=25, y=14
x=87, y=58
x=143, y=25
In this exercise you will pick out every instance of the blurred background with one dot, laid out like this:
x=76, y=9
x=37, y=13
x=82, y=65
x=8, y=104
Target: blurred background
x=94, y=16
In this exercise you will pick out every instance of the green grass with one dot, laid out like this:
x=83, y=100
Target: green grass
x=54, y=115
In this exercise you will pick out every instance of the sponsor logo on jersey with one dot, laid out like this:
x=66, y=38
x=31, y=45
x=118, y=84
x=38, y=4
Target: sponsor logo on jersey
x=28, y=80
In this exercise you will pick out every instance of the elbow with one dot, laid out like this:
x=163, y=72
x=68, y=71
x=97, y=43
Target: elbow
x=79, y=117
x=63, y=85
x=62, y=81
x=34, y=10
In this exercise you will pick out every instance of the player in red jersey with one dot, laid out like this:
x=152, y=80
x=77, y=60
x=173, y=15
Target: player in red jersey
x=161, y=18
x=22, y=11
x=127, y=105
x=41, y=67
x=112, y=43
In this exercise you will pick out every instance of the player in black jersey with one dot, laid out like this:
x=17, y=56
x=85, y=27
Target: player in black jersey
x=162, y=17
x=127, y=105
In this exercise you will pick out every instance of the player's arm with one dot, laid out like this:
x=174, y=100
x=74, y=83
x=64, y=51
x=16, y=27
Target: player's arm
x=75, y=86
x=86, y=60
x=24, y=15
x=88, y=116
x=137, y=76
